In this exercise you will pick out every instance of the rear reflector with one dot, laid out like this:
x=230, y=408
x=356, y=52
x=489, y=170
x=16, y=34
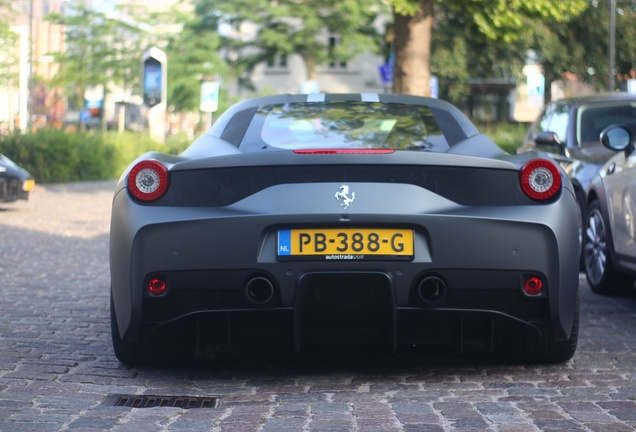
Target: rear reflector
x=533, y=285
x=157, y=286
x=345, y=151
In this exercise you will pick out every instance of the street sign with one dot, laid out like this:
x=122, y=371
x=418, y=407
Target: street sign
x=209, y=96
x=85, y=116
x=154, y=77
x=386, y=73
x=309, y=87
x=434, y=84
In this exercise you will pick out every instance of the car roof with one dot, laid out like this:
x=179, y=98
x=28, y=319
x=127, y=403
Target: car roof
x=598, y=97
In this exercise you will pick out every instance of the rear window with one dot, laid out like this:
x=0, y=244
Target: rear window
x=345, y=125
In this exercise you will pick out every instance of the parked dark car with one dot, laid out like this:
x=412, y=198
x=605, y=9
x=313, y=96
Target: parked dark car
x=304, y=221
x=609, y=243
x=15, y=182
x=569, y=130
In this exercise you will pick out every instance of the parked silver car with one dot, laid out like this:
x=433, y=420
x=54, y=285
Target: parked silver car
x=569, y=130
x=609, y=241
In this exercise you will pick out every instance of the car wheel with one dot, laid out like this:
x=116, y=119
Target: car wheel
x=602, y=277
x=562, y=351
x=126, y=352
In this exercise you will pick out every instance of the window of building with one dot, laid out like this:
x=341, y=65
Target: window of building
x=335, y=63
x=277, y=61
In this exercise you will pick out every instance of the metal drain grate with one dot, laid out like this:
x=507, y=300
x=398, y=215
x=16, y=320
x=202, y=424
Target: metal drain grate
x=149, y=401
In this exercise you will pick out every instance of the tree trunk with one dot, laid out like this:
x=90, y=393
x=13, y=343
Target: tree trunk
x=412, y=44
x=548, y=76
x=310, y=64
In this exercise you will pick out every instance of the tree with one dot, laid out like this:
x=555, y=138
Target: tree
x=194, y=55
x=580, y=46
x=495, y=20
x=8, y=42
x=320, y=31
x=100, y=50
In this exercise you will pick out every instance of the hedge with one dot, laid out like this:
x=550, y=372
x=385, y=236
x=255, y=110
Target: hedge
x=55, y=156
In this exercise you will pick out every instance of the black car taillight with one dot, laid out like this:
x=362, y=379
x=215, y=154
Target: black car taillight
x=148, y=180
x=540, y=179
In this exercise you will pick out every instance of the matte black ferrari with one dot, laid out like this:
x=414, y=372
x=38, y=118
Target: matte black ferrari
x=310, y=221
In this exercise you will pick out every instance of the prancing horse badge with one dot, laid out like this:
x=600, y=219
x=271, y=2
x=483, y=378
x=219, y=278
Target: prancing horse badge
x=343, y=194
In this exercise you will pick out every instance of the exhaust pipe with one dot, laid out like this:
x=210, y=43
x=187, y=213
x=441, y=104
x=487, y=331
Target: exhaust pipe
x=431, y=289
x=259, y=290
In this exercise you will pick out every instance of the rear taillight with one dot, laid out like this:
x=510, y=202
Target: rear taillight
x=540, y=179
x=148, y=180
x=346, y=151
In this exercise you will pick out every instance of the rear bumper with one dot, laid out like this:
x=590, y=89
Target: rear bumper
x=347, y=308
x=208, y=257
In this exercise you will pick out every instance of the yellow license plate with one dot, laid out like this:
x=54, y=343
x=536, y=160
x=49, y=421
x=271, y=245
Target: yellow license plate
x=348, y=243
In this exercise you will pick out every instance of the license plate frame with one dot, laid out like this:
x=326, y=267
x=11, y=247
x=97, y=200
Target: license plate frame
x=346, y=244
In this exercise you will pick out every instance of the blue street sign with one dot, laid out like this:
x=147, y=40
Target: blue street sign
x=386, y=73
x=85, y=116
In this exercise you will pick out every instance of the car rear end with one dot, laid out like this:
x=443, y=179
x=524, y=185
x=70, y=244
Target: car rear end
x=265, y=250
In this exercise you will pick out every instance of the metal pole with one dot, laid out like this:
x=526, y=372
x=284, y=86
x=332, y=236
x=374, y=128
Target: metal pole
x=612, y=44
x=30, y=98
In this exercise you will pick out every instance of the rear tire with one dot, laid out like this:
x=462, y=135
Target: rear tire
x=562, y=351
x=174, y=345
x=533, y=348
x=602, y=276
x=126, y=352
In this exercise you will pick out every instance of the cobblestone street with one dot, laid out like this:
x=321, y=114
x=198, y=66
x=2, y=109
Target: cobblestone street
x=57, y=367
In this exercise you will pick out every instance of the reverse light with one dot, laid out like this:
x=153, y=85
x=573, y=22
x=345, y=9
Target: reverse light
x=533, y=286
x=540, y=179
x=345, y=151
x=157, y=286
x=148, y=180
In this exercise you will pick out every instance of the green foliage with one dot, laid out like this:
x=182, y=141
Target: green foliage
x=405, y=7
x=100, y=50
x=54, y=156
x=449, y=63
x=506, y=20
x=507, y=135
x=8, y=44
x=299, y=27
x=494, y=31
x=194, y=56
x=581, y=45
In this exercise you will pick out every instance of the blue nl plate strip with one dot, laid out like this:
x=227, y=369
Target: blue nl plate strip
x=284, y=242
